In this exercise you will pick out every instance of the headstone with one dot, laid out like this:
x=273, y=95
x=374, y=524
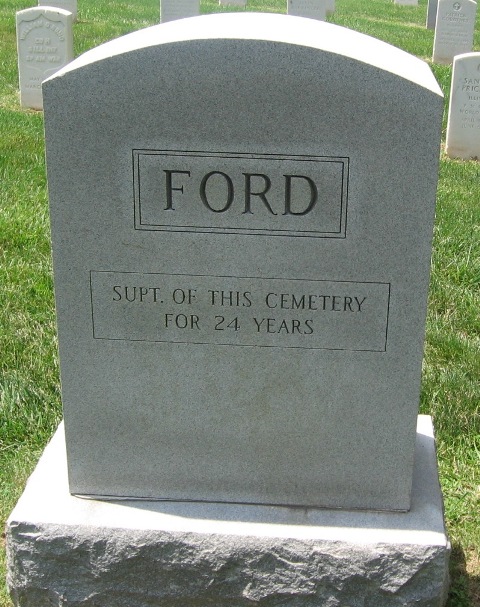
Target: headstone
x=463, y=130
x=241, y=273
x=431, y=14
x=407, y=2
x=44, y=45
x=66, y=5
x=454, y=29
x=171, y=10
x=313, y=9
x=232, y=2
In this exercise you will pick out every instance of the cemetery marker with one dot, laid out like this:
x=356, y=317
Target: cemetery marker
x=66, y=5
x=431, y=14
x=44, y=45
x=454, y=29
x=463, y=130
x=170, y=10
x=261, y=298
x=313, y=9
x=242, y=210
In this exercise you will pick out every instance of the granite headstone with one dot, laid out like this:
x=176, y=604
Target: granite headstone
x=241, y=273
x=463, y=129
x=44, y=45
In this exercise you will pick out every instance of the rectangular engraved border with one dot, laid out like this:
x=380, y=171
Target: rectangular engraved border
x=220, y=343
x=138, y=225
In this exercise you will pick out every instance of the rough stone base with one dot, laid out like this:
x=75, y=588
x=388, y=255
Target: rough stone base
x=67, y=551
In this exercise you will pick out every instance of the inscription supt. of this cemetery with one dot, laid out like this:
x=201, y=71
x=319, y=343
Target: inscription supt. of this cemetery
x=264, y=194
x=240, y=311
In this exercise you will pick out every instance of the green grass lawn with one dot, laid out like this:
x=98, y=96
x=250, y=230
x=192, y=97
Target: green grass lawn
x=30, y=405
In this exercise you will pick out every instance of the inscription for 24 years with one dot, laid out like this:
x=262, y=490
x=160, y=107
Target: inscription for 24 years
x=240, y=311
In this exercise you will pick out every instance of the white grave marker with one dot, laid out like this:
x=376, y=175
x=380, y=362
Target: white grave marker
x=463, y=131
x=431, y=14
x=406, y=2
x=44, y=45
x=454, y=29
x=313, y=9
x=170, y=10
x=232, y=2
x=66, y=5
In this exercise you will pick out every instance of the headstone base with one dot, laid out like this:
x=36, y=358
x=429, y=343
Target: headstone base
x=68, y=551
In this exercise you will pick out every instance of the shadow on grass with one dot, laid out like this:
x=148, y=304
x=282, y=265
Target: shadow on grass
x=464, y=584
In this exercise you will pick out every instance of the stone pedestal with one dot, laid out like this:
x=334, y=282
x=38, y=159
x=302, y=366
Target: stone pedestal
x=71, y=552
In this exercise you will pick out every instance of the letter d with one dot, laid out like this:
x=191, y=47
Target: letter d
x=288, y=195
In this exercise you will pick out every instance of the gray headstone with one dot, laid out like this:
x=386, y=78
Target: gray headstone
x=233, y=2
x=431, y=14
x=454, y=29
x=66, y=5
x=407, y=2
x=44, y=45
x=463, y=130
x=241, y=273
x=313, y=9
x=170, y=10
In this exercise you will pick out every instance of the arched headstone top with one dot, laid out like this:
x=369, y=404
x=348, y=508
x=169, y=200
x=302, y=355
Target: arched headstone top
x=274, y=28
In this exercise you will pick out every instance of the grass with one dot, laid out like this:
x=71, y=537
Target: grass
x=30, y=405
x=451, y=379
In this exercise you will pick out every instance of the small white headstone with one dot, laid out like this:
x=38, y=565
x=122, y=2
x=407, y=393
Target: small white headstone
x=454, y=29
x=66, y=5
x=170, y=10
x=431, y=14
x=314, y=9
x=232, y=2
x=44, y=45
x=463, y=131
x=407, y=2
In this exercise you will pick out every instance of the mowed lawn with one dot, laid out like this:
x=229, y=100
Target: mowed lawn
x=30, y=406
